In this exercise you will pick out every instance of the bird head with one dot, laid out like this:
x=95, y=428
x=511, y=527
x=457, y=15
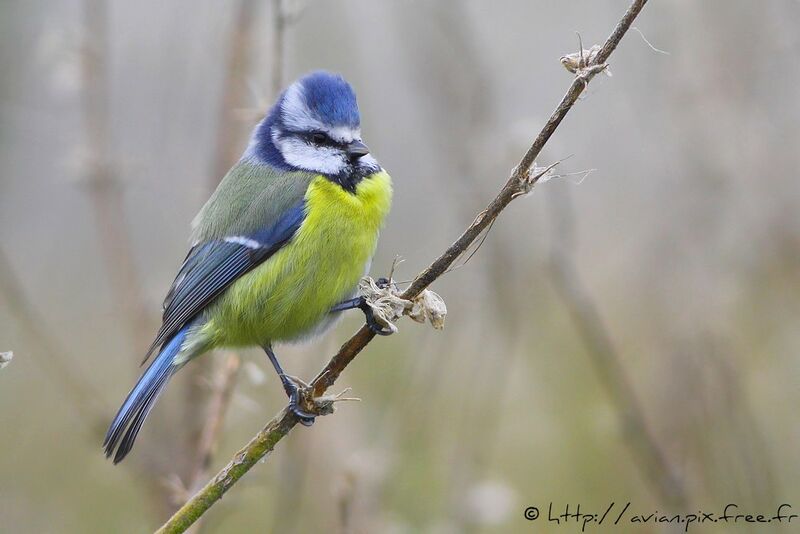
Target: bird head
x=314, y=126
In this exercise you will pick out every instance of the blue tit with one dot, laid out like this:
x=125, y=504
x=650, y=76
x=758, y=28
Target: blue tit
x=277, y=250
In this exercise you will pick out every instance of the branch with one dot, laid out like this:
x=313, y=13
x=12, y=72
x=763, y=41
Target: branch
x=520, y=182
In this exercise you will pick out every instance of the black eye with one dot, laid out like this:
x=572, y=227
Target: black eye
x=319, y=138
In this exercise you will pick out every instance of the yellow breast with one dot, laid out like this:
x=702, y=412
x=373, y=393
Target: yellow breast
x=289, y=295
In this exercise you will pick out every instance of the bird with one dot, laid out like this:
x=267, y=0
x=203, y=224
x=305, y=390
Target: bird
x=278, y=249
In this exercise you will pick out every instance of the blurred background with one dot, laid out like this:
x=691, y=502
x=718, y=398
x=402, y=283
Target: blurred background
x=626, y=335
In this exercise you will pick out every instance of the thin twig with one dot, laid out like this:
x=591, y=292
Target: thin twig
x=520, y=179
x=637, y=30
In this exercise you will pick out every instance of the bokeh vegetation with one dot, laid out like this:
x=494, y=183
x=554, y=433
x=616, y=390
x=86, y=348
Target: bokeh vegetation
x=686, y=240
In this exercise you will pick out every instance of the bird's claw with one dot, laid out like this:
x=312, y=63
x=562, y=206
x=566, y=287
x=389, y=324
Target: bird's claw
x=297, y=390
x=369, y=317
x=305, y=406
x=372, y=323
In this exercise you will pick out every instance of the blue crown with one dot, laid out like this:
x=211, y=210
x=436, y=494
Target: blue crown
x=330, y=98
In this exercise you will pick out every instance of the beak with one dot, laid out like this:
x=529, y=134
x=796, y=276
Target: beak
x=356, y=149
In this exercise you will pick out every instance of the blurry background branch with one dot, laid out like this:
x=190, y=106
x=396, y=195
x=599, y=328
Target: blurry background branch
x=688, y=246
x=222, y=390
x=201, y=402
x=224, y=382
x=585, y=314
x=520, y=182
x=204, y=415
x=235, y=89
x=107, y=195
x=49, y=353
x=105, y=189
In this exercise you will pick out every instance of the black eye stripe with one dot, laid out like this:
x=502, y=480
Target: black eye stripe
x=322, y=139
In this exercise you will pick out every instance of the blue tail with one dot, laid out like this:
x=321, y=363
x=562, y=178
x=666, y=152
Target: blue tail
x=123, y=430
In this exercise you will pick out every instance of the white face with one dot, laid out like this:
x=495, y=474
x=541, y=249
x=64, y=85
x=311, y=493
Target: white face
x=301, y=150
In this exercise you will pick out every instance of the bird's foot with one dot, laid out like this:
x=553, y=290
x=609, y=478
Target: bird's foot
x=373, y=324
x=298, y=392
x=369, y=315
x=307, y=407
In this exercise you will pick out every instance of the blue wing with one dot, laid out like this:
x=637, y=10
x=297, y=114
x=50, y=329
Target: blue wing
x=212, y=266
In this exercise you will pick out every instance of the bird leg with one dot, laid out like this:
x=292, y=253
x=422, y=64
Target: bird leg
x=361, y=304
x=293, y=387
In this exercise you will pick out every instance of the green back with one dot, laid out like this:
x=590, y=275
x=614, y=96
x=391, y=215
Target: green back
x=250, y=197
